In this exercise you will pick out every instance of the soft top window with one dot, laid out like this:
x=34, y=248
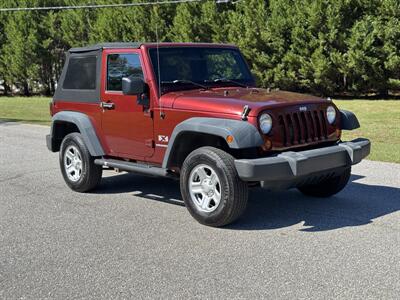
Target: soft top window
x=81, y=73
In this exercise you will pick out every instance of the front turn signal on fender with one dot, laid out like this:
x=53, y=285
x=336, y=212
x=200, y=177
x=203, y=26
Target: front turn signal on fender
x=267, y=145
x=229, y=139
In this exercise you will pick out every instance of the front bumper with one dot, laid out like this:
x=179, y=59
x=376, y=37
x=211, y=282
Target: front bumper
x=292, y=168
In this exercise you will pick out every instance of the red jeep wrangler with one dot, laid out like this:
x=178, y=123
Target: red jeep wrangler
x=192, y=111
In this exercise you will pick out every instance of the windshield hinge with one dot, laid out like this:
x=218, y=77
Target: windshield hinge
x=150, y=143
x=148, y=112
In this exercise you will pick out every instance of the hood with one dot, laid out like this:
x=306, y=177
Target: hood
x=232, y=100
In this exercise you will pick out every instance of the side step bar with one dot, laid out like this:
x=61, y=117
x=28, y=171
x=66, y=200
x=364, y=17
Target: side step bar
x=132, y=167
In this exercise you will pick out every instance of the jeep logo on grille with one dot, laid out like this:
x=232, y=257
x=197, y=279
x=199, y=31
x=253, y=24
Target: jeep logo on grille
x=303, y=108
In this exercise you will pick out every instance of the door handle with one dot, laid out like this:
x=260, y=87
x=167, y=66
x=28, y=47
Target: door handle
x=107, y=105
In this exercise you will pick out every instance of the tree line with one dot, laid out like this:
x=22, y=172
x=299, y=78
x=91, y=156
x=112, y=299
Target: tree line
x=327, y=47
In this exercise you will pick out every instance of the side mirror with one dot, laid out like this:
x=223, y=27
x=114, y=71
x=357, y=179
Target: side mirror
x=133, y=86
x=136, y=86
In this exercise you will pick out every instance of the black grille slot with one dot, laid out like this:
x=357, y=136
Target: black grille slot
x=318, y=124
x=305, y=126
x=311, y=125
x=290, y=129
x=298, y=131
x=283, y=129
x=324, y=128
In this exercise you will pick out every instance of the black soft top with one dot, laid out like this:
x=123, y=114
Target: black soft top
x=101, y=46
x=83, y=65
x=136, y=45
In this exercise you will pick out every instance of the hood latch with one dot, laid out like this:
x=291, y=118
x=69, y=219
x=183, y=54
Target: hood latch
x=245, y=113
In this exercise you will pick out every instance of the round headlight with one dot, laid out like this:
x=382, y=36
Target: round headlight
x=265, y=123
x=331, y=114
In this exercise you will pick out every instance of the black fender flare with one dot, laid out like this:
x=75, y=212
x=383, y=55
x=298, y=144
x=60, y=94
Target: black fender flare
x=348, y=120
x=245, y=135
x=85, y=127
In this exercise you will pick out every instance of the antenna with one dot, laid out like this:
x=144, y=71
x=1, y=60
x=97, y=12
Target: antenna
x=159, y=68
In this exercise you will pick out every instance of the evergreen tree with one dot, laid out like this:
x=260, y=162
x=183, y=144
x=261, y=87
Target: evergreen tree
x=365, y=57
x=2, y=40
x=390, y=14
x=51, y=50
x=319, y=46
x=19, y=55
x=200, y=22
x=186, y=24
x=247, y=29
x=76, y=25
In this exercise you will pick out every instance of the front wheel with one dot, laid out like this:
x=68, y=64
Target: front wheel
x=211, y=188
x=328, y=187
x=77, y=165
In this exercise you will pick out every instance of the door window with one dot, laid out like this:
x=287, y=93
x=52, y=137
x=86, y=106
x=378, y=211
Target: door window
x=119, y=66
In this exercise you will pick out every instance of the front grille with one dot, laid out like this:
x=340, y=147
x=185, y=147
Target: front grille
x=303, y=127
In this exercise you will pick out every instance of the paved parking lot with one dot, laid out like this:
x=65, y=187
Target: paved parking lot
x=133, y=238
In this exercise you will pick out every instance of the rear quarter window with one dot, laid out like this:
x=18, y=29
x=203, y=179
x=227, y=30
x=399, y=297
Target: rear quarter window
x=81, y=73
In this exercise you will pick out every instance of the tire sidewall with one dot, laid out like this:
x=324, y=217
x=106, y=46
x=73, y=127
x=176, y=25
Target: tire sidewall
x=329, y=187
x=227, y=189
x=75, y=139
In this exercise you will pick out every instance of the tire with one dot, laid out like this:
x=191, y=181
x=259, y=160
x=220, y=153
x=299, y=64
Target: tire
x=83, y=175
x=210, y=173
x=328, y=187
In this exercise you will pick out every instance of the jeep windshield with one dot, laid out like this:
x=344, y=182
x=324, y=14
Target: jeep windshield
x=183, y=68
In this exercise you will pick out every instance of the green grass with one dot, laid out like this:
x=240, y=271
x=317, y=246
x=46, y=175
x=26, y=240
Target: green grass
x=380, y=122
x=23, y=109
x=379, y=119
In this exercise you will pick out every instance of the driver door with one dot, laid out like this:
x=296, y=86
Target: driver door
x=127, y=126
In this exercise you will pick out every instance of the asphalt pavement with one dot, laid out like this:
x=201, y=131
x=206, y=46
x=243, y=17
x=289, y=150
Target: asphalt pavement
x=133, y=238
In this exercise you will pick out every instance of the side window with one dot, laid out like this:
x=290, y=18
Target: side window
x=81, y=73
x=122, y=65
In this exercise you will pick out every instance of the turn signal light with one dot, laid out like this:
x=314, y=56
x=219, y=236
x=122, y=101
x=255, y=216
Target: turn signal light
x=229, y=139
x=267, y=145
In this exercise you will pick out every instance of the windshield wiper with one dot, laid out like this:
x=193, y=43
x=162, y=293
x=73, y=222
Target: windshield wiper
x=187, y=81
x=227, y=80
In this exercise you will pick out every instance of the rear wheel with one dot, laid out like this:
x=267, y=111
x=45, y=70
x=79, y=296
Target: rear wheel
x=77, y=165
x=211, y=188
x=328, y=187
